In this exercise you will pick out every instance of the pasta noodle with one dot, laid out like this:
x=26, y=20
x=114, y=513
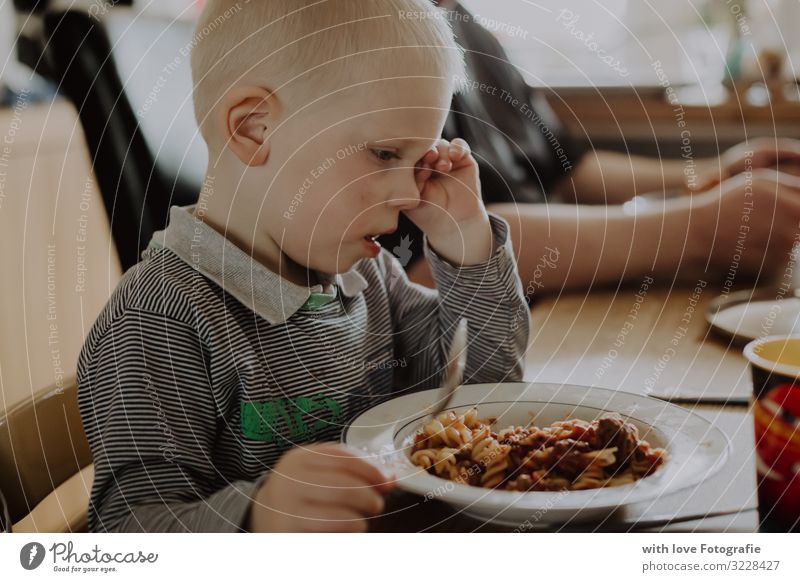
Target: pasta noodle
x=569, y=455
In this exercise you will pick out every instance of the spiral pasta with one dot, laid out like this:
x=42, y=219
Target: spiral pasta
x=569, y=455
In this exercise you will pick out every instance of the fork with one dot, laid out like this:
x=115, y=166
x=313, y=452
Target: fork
x=454, y=373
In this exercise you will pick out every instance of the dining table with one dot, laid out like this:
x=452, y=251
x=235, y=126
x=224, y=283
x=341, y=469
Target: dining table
x=646, y=337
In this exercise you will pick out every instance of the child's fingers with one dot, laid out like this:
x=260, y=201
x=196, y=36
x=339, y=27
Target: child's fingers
x=422, y=174
x=343, y=489
x=344, y=459
x=442, y=159
x=459, y=149
x=369, y=473
x=443, y=163
x=424, y=168
x=430, y=156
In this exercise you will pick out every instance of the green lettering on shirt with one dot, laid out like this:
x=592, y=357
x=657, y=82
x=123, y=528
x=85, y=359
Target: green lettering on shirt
x=297, y=419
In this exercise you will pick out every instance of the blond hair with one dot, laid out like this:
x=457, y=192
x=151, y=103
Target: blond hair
x=333, y=43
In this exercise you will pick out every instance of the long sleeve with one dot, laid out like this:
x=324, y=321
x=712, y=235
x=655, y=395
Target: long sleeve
x=488, y=294
x=152, y=419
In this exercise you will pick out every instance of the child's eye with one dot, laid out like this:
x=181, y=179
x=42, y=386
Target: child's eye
x=384, y=155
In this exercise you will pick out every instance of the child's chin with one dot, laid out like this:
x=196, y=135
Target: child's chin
x=336, y=266
x=342, y=262
x=346, y=265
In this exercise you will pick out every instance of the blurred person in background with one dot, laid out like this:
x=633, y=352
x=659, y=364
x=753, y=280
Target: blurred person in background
x=566, y=205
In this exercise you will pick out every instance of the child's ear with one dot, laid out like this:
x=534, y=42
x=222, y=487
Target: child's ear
x=245, y=116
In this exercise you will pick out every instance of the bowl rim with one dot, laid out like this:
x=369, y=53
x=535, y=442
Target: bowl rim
x=771, y=366
x=725, y=301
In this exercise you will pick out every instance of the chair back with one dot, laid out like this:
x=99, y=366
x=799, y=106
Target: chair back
x=42, y=445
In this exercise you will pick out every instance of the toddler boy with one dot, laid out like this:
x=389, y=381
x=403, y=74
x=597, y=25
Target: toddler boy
x=224, y=365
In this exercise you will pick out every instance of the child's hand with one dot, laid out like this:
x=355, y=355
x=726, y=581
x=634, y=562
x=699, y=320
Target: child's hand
x=319, y=488
x=451, y=212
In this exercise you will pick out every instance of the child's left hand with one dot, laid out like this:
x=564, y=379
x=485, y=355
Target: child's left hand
x=451, y=212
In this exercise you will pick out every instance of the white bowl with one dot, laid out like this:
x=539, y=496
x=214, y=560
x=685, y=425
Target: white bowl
x=696, y=448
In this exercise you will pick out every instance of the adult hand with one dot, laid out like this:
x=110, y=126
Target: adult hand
x=763, y=152
x=748, y=224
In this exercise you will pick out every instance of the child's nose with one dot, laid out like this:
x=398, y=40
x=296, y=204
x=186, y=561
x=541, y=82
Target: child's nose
x=404, y=194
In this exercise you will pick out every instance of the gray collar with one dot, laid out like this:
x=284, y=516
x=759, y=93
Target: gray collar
x=266, y=293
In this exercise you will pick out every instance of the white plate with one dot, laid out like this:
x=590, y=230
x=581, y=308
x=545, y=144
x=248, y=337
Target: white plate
x=696, y=448
x=748, y=315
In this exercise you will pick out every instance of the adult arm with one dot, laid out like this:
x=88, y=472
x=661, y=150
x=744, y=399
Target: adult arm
x=749, y=221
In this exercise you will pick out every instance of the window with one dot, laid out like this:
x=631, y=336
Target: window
x=621, y=42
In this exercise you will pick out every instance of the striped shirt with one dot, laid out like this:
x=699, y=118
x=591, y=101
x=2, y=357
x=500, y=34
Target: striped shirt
x=205, y=367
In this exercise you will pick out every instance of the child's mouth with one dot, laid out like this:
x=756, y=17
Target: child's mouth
x=371, y=241
x=372, y=245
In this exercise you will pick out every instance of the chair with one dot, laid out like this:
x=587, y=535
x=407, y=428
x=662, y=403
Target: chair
x=137, y=117
x=46, y=469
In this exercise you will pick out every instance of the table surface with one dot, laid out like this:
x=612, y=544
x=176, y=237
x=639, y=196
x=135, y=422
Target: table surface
x=643, y=339
x=639, y=339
